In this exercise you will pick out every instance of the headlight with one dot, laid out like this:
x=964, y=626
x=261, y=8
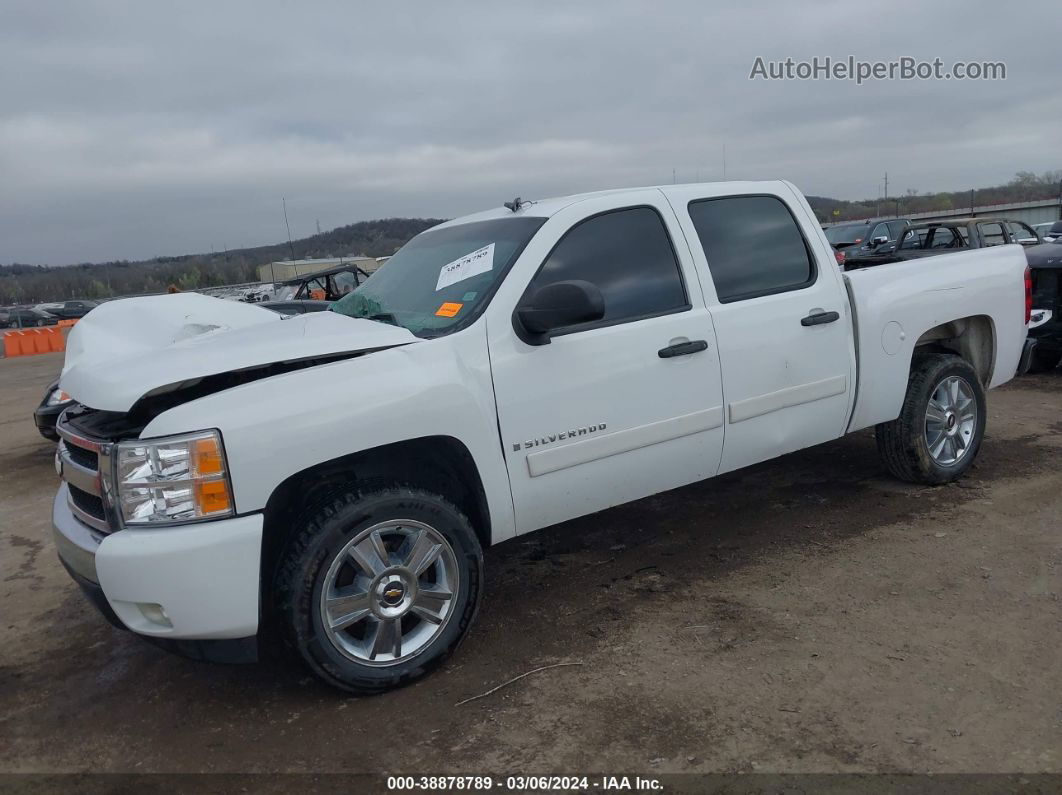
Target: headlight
x=57, y=397
x=174, y=479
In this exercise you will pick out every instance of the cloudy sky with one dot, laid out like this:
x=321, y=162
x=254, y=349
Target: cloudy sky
x=130, y=130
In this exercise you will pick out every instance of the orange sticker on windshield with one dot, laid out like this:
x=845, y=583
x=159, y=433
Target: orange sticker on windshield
x=448, y=309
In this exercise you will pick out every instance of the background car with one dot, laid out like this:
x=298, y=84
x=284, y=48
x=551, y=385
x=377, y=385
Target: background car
x=47, y=413
x=844, y=237
x=69, y=310
x=1050, y=232
x=1045, y=267
x=929, y=238
x=26, y=317
x=329, y=285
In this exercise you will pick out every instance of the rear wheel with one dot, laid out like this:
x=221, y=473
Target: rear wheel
x=376, y=589
x=939, y=431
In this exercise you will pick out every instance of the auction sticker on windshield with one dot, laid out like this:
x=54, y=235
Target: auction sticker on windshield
x=448, y=309
x=479, y=261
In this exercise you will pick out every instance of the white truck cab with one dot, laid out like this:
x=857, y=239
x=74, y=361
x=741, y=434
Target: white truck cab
x=231, y=477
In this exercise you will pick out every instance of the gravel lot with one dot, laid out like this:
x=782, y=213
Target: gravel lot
x=806, y=615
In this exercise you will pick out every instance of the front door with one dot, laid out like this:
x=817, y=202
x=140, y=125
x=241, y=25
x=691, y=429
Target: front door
x=618, y=409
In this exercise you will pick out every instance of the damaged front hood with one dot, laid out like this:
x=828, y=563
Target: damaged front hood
x=124, y=350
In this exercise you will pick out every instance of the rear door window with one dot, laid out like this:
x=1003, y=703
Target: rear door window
x=753, y=246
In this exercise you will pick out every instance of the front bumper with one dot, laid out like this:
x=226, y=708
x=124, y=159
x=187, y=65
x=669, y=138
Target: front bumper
x=204, y=577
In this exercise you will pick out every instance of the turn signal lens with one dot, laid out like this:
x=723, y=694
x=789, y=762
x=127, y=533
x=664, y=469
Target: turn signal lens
x=57, y=397
x=213, y=497
x=207, y=456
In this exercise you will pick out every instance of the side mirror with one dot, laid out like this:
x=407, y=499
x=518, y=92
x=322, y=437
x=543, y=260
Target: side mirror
x=555, y=306
x=880, y=240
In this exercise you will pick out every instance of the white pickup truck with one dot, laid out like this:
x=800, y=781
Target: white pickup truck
x=330, y=480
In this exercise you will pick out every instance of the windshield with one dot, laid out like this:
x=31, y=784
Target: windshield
x=846, y=233
x=442, y=278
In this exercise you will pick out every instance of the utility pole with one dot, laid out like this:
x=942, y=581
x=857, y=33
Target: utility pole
x=886, y=186
x=318, y=226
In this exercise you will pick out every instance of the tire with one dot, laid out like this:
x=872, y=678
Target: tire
x=921, y=447
x=1044, y=360
x=341, y=601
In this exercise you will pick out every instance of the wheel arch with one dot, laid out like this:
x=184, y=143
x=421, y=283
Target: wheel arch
x=441, y=464
x=972, y=338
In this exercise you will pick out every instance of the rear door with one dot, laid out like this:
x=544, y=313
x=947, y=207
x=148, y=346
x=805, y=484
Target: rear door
x=617, y=409
x=781, y=318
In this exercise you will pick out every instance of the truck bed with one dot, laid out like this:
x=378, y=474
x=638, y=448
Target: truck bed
x=898, y=307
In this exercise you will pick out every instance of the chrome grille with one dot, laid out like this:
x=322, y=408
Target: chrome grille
x=87, y=503
x=82, y=460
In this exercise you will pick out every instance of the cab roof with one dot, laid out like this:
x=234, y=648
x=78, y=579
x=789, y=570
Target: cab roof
x=545, y=208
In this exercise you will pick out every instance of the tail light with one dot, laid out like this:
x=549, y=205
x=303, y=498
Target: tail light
x=839, y=256
x=1028, y=295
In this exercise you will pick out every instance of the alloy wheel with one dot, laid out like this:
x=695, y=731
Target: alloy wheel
x=951, y=420
x=389, y=592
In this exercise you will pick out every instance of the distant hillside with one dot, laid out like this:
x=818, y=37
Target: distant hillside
x=35, y=284
x=32, y=284
x=1025, y=186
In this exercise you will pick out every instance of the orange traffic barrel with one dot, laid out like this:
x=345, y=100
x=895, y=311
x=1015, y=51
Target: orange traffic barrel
x=12, y=344
x=56, y=340
x=40, y=341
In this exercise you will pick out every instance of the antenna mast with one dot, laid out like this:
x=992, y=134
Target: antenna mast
x=291, y=247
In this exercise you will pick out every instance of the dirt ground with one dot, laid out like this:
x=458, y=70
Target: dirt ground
x=806, y=615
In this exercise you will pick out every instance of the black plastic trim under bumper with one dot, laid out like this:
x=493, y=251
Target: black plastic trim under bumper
x=226, y=650
x=94, y=593
x=1025, y=362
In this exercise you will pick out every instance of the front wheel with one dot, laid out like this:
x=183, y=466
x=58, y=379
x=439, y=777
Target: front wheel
x=376, y=589
x=939, y=431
